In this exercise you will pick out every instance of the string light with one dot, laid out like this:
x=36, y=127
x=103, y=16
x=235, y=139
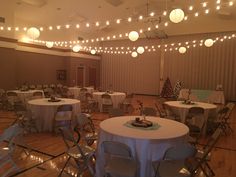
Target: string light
x=118, y=21
x=153, y=48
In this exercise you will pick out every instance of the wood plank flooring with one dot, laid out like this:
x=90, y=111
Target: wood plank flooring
x=46, y=157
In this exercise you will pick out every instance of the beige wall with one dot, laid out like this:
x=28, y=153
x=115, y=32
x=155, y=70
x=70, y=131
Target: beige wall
x=198, y=68
x=136, y=75
x=72, y=65
x=17, y=67
x=202, y=67
x=7, y=68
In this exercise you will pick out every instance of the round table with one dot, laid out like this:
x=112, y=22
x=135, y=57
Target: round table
x=76, y=90
x=147, y=145
x=26, y=95
x=117, y=98
x=182, y=109
x=43, y=111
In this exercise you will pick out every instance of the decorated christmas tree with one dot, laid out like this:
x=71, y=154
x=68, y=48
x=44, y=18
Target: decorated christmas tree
x=177, y=88
x=167, y=90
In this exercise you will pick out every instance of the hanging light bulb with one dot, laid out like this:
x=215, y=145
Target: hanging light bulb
x=176, y=15
x=33, y=33
x=134, y=54
x=209, y=42
x=182, y=50
x=49, y=44
x=76, y=48
x=93, y=52
x=140, y=50
x=133, y=36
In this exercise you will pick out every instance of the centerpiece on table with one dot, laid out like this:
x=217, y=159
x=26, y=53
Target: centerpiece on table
x=188, y=100
x=53, y=99
x=141, y=122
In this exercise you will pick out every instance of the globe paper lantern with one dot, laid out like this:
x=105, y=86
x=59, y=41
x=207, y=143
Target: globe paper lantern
x=176, y=15
x=93, y=51
x=49, y=44
x=133, y=36
x=134, y=54
x=140, y=50
x=33, y=33
x=209, y=42
x=182, y=49
x=76, y=48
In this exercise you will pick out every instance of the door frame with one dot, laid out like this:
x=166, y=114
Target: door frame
x=76, y=75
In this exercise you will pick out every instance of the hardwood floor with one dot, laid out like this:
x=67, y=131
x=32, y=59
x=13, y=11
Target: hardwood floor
x=46, y=157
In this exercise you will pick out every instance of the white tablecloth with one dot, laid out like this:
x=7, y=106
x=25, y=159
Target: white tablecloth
x=43, y=111
x=117, y=98
x=209, y=96
x=26, y=95
x=182, y=109
x=76, y=90
x=146, y=145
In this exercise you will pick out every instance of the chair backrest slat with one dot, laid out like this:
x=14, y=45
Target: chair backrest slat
x=116, y=149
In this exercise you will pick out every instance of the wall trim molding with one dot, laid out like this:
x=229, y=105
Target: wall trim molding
x=28, y=47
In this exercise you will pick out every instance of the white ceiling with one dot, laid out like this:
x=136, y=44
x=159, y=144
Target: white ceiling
x=47, y=13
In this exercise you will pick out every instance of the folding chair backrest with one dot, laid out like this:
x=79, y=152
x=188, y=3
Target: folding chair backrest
x=196, y=111
x=149, y=111
x=229, y=105
x=11, y=94
x=64, y=112
x=180, y=152
x=128, y=98
x=83, y=90
x=38, y=93
x=89, y=96
x=207, y=149
x=106, y=99
x=115, y=112
x=85, y=123
x=32, y=87
x=116, y=149
x=68, y=137
x=161, y=109
x=11, y=133
x=12, y=97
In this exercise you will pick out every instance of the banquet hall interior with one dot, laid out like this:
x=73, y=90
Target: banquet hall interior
x=117, y=88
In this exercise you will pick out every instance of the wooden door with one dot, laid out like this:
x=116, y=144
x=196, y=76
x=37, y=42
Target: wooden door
x=80, y=76
x=92, y=77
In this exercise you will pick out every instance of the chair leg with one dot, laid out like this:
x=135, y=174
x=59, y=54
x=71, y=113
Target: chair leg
x=64, y=167
x=208, y=166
